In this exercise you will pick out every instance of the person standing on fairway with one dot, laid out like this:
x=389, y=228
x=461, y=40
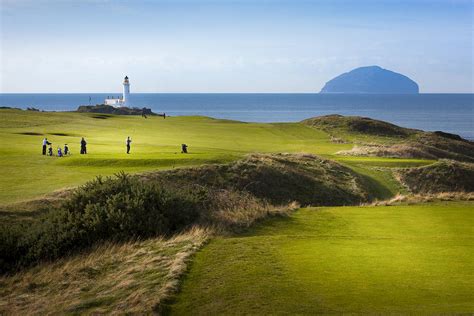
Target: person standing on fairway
x=45, y=143
x=127, y=142
x=83, y=146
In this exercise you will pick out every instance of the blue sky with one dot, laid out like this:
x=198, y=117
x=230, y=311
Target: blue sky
x=230, y=45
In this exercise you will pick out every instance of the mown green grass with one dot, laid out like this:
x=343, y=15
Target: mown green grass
x=156, y=145
x=390, y=259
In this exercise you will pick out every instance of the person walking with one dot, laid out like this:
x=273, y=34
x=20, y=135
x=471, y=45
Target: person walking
x=45, y=143
x=83, y=146
x=128, y=142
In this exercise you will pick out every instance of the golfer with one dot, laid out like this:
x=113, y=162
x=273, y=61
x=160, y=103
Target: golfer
x=83, y=146
x=45, y=143
x=128, y=142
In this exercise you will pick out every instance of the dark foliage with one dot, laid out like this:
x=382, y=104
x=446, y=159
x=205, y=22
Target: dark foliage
x=115, y=209
x=448, y=135
x=108, y=109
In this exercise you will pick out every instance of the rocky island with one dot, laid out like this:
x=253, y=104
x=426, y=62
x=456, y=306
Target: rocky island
x=371, y=79
x=108, y=109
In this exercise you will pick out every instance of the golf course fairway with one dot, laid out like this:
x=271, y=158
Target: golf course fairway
x=156, y=144
x=385, y=259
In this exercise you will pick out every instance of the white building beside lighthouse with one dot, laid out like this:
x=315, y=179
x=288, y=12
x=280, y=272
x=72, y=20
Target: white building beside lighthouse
x=124, y=100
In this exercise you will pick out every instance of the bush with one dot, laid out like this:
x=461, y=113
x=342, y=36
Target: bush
x=10, y=245
x=115, y=209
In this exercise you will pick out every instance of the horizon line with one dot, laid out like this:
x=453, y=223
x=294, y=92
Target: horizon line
x=263, y=92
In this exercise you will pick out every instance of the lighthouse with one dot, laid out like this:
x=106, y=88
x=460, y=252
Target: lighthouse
x=124, y=100
x=126, y=91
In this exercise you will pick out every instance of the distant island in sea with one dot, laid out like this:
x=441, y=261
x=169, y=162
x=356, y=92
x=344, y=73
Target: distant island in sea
x=371, y=79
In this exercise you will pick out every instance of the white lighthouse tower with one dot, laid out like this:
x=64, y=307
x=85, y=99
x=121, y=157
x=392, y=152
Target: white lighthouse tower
x=126, y=91
x=124, y=100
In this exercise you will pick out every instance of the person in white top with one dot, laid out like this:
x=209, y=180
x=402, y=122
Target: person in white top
x=128, y=142
x=45, y=143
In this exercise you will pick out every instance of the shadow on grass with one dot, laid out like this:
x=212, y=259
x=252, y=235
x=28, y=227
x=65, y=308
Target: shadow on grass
x=29, y=134
x=63, y=134
x=379, y=190
x=133, y=162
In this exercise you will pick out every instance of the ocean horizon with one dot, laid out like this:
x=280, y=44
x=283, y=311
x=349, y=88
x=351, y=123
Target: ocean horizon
x=448, y=112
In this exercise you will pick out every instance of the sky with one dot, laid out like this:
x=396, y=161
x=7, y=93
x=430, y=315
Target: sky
x=73, y=46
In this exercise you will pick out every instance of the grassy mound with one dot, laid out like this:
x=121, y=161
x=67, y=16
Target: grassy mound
x=443, y=176
x=160, y=203
x=278, y=179
x=382, y=139
x=357, y=124
x=441, y=146
x=426, y=148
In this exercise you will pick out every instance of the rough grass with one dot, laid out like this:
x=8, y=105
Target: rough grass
x=134, y=277
x=366, y=260
x=262, y=181
x=358, y=125
x=278, y=179
x=416, y=149
x=382, y=139
x=425, y=198
x=443, y=176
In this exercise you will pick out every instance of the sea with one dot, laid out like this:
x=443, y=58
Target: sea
x=452, y=113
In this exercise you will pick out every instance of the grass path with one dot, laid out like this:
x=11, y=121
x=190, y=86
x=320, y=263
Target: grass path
x=402, y=259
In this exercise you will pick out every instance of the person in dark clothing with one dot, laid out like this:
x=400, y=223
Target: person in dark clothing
x=83, y=146
x=184, y=148
x=128, y=142
x=66, y=150
x=45, y=143
x=50, y=150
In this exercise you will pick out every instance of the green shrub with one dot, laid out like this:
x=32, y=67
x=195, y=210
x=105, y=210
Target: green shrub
x=117, y=208
x=9, y=245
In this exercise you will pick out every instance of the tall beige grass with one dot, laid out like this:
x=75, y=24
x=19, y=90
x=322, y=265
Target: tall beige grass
x=425, y=198
x=134, y=277
x=237, y=210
